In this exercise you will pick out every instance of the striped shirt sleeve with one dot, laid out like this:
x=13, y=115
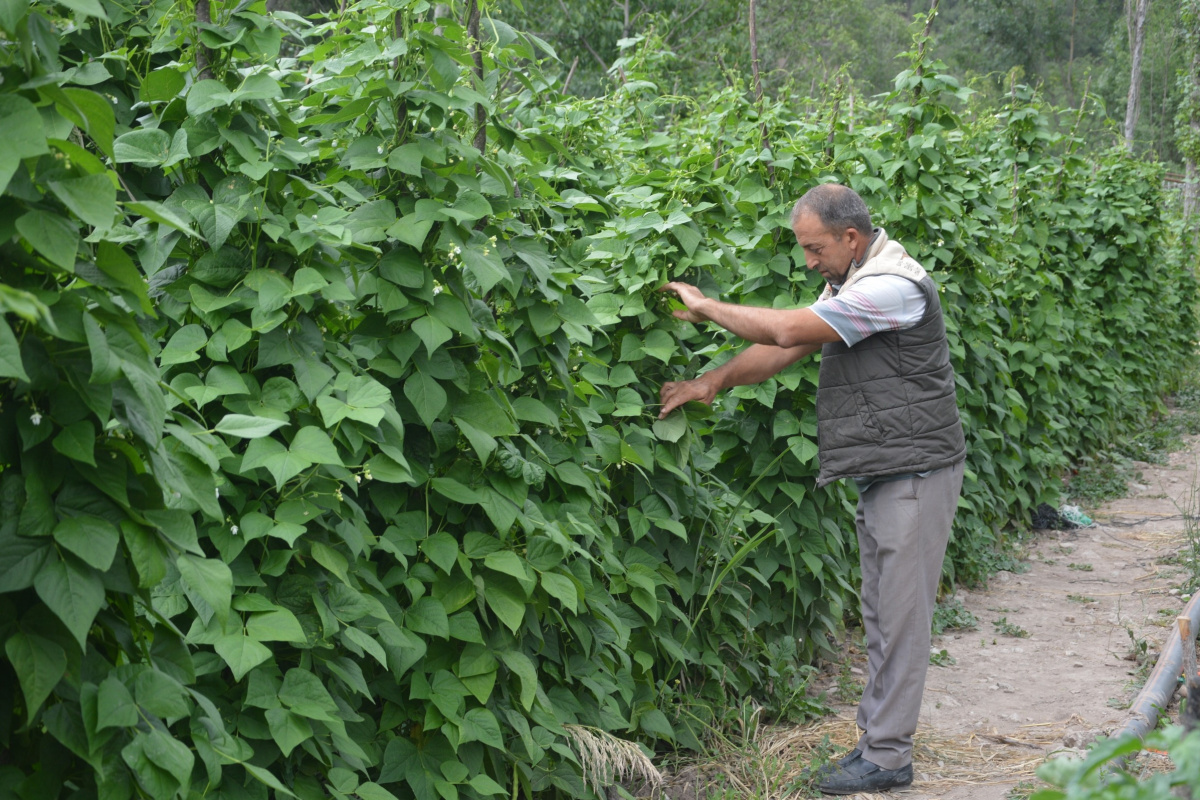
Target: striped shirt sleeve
x=874, y=304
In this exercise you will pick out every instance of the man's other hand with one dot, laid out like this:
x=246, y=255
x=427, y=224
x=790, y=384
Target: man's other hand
x=691, y=297
x=676, y=393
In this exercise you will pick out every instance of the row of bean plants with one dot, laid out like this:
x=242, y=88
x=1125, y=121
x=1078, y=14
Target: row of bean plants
x=330, y=352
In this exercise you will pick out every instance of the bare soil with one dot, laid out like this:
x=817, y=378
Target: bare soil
x=1096, y=603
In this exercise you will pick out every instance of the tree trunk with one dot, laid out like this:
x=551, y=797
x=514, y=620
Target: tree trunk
x=1136, y=22
x=204, y=15
x=1071, y=58
x=758, y=90
x=1191, y=190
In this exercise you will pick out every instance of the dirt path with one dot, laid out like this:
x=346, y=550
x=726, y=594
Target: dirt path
x=1091, y=600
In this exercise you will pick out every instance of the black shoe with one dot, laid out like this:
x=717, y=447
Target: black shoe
x=860, y=775
x=851, y=756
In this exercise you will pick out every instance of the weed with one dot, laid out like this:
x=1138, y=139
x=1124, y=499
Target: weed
x=1063, y=550
x=1081, y=598
x=942, y=658
x=1022, y=790
x=848, y=688
x=1003, y=609
x=1099, y=478
x=1080, y=567
x=1003, y=626
x=1190, y=555
x=951, y=615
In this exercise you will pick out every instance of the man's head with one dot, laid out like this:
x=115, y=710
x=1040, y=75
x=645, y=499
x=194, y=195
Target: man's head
x=833, y=225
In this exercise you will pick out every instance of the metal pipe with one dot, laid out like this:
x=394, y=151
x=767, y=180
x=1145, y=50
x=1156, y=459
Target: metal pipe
x=1160, y=686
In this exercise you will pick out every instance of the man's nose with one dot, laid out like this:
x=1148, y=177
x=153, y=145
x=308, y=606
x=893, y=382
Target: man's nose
x=811, y=261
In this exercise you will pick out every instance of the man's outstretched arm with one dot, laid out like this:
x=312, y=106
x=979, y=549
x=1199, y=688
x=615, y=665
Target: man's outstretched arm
x=753, y=365
x=787, y=328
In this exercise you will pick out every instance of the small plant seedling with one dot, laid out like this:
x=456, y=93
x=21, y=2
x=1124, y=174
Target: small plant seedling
x=1080, y=567
x=848, y=688
x=942, y=658
x=1081, y=598
x=1003, y=626
x=951, y=615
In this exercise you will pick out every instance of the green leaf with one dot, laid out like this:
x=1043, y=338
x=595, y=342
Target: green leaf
x=426, y=396
x=448, y=487
x=442, y=550
x=93, y=539
x=145, y=147
x=672, y=428
x=506, y=605
x=160, y=694
x=171, y=754
x=563, y=589
x=74, y=592
x=484, y=444
x=241, y=653
x=433, y=332
x=364, y=641
x=11, y=365
x=21, y=558
x=78, y=441
x=56, y=238
x=115, y=707
x=304, y=693
x=92, y=198
x=314, y=444
x=210, y=579
x=279, y=625
x=88, y=8
x=265, y=777
x=39, y=664
x=91, y=112
x=183, y=345
x=288, y=729
x=373, y=791
x=161, y=85
x=480, y=725
x=428, y=616
x=248, y=427
x=526, y=673
x=24, y=133
x=803, y=448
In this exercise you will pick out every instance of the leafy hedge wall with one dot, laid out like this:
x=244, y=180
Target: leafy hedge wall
x=328, y=461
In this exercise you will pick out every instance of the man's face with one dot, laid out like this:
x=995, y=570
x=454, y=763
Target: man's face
x=825, y=251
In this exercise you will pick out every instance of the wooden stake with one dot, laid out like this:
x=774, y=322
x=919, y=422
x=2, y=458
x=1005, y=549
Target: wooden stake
x=1188, y=639
x=1190, y=712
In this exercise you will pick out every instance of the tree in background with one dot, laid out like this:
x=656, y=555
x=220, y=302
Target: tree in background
x=1075, y=51
x=1135, y=11
x=1188, y=119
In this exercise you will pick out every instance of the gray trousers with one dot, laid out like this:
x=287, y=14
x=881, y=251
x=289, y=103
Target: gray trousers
x=903, y=527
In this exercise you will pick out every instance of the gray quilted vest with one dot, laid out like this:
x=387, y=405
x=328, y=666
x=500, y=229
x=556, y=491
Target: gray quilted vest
x=887, y=405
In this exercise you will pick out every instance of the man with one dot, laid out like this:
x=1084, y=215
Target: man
x=886, y=418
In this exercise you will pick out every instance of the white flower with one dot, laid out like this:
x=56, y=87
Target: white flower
x=358, y=478
x=35, y=418
x=217, y=489
x=379, y=149
x=234, y=530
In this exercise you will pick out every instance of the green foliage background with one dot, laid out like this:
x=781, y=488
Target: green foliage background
x=328, y=454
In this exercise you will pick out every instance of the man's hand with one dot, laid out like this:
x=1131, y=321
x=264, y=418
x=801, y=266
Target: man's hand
x=676, y=393
x=691, y=297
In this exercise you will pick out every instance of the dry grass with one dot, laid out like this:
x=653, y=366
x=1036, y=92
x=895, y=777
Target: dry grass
x=769, y=764
x=605, y=759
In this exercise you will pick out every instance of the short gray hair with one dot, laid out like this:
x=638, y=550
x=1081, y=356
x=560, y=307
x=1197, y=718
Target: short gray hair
x=838, y=207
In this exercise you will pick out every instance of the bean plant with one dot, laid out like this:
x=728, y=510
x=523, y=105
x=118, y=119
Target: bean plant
x=330, y=463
